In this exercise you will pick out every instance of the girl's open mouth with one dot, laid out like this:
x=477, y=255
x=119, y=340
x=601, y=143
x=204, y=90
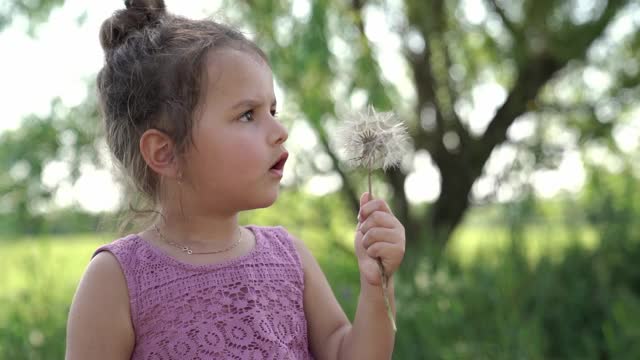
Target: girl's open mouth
x=278, y=168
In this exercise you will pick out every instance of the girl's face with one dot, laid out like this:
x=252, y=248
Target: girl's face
x=237, y=156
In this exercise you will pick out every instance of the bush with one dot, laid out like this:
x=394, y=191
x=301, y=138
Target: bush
x=515, y=299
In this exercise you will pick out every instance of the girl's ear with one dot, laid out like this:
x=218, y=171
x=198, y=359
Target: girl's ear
x=158, y=151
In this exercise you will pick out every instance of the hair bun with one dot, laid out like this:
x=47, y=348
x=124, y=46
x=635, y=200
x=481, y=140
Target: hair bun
x=137, y=15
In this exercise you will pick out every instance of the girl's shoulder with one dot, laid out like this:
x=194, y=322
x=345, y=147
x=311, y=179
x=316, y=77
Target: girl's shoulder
x=275, y=237
x=121, y=246
x=294, y=247
x=131, y=254
x=278, y=233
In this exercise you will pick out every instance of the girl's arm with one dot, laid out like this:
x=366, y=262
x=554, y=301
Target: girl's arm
x=99, y=324
x=331, y=336
x=379, y=235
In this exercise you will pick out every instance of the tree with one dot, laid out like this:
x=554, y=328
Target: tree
x=67, y=135
x=35, y=11
x=532, y=49
x=538, y=53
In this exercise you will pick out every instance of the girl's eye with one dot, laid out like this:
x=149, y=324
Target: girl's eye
x=274, y=113
x=247, y=117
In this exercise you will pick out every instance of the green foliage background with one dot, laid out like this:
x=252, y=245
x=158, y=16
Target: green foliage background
x=521, y=290
x=529, y=278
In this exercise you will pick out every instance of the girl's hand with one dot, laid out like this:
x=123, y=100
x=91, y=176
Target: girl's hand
x=379, y=235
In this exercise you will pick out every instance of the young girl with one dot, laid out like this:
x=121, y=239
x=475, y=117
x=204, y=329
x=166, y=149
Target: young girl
x=190, y=115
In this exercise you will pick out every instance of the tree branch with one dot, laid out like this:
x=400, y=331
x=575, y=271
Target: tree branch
x=431, y=77
x=357, y=6
x=532, y=77
x=575, y=42
x=558, y=108
x=347, y=188
x=425, y=86
x=452, y=120
x=423, y=80
x=513, y=29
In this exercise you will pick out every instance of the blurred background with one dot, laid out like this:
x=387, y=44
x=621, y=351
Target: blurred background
x=520, y=198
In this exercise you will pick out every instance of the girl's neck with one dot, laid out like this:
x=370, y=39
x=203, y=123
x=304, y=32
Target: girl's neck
x=199, y=230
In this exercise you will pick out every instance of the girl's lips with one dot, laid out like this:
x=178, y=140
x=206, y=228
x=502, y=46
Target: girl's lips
x=276, y=172
x=278, y=168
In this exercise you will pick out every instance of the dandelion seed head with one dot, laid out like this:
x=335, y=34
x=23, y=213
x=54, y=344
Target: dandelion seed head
x=374, y=140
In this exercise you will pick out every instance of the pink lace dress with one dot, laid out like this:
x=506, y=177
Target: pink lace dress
x=246, y=308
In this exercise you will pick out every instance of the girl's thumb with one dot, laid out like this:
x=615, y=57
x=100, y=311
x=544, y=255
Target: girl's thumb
x=365, y=198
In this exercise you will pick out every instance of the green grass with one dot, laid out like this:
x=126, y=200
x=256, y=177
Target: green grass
x=57, y=259
x=480, y=243
x=39, y=276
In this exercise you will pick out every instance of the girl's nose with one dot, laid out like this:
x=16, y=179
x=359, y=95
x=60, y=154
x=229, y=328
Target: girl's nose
x=280, y=133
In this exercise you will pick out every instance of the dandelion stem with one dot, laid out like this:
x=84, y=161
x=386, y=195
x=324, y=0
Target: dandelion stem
x=370, y=193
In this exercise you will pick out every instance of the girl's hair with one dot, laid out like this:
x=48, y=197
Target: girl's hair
x=153, y=77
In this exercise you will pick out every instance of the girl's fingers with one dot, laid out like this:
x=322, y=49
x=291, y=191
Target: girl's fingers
x=374, y=205
x=379, y=219
x=378, y=235
x=389, y=254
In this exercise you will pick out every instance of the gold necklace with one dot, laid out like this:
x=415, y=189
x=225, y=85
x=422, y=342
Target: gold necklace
x=187, y=250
